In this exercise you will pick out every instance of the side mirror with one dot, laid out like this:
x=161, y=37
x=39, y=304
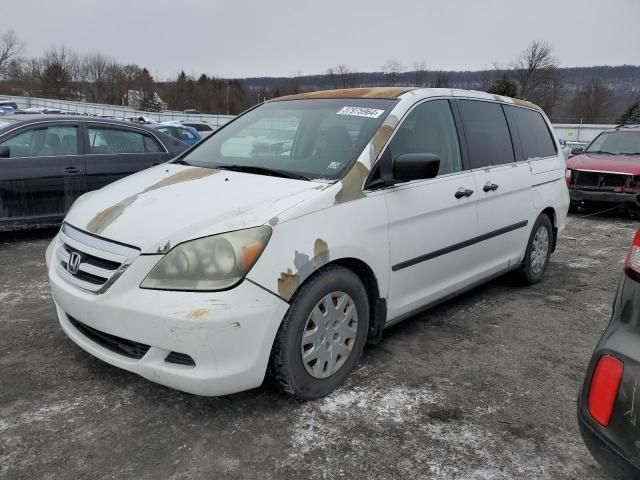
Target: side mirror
x=577, y=151
x=5, y=152
x=415, y=166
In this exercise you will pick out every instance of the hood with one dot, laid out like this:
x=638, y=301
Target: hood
x=606, y=163
x=171, y=203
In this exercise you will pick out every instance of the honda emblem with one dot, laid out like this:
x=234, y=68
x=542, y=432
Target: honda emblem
x=74, y=263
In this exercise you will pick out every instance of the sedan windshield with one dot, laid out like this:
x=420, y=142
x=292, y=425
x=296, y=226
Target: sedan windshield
x=616, y=143
x=304, y=139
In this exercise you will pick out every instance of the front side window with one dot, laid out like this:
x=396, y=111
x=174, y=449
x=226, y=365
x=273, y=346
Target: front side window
x=108, y=140
x=486, y=132
x=316, y=138
x=430, y=128
x=534, y=134
x=47, y=141
x=616, y=143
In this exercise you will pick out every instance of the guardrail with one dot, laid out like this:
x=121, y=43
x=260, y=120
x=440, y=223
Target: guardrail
x=99, y=109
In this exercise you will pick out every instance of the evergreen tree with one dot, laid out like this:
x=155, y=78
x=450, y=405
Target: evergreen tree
x=631, y=114
x=504, y=86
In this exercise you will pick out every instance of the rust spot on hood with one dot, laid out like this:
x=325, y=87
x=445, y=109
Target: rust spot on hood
x=106, y=217
x=287, y=284
x=352, y=184
x=375, y=92
x=198, y=313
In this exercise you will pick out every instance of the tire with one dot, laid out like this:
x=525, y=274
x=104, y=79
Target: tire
x=309, y=379
x=531, y=270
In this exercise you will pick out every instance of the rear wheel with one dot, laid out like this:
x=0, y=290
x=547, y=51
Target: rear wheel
x=322, y=336
x=538, y=251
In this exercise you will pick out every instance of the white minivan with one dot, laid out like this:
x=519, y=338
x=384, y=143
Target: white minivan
x=297, y=232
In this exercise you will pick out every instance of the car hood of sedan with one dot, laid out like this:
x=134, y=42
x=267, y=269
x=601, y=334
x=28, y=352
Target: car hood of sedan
x=601, y=162
x=168, y=204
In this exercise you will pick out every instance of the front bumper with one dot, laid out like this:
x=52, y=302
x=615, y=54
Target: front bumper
x=228, y=334
x=588, y=196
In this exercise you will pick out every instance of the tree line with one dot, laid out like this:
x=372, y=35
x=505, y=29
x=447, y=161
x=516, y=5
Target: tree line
x=534, y=75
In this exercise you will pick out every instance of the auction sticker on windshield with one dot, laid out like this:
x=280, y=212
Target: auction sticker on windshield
x=361, y=112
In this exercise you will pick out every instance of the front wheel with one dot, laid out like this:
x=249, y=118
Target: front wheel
x=538, y=251
x=322, y=335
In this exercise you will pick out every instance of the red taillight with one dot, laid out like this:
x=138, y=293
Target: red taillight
x=567, y=176
x=604, y=388
x=632, y=264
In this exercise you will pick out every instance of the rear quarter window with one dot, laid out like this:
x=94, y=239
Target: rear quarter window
x=534, y=134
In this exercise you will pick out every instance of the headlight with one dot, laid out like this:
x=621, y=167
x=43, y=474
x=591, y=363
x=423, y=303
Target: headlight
x=211, y=263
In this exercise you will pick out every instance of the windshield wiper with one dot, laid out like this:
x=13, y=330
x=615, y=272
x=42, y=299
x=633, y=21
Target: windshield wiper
x=262, y=171
x=180, y=161
x=602, y=151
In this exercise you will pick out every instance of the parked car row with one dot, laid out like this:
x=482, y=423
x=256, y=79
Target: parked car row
x=48, y=161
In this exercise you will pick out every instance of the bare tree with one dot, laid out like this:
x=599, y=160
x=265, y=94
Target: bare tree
x=392, y=69
x=419, y=75
x=342, y=76
x=591, y=102
x=442, y=81
x=10, y=46
x=96, y=66
x=536, y=73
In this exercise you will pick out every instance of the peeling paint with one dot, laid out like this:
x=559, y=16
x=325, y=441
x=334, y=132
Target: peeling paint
x=106, y=217
x=352, y=184
x=198, y=313
x=320, y=252
x=287, y=284
x=383, y=133
x=524, y=103
x=375, y=92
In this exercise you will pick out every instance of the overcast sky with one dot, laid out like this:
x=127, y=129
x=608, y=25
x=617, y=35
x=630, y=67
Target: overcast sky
x=244, y=38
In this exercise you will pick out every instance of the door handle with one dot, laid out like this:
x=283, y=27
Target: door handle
x=490, y=187
x=463, y=192
x=72, y=170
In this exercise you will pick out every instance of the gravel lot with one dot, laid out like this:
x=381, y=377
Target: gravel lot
x=482, y=387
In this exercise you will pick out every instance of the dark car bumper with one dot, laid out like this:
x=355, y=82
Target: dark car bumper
x=607, y=455
x=617, y=446
x=599, y=197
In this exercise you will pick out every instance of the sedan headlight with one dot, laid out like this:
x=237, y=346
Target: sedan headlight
x=212, y=263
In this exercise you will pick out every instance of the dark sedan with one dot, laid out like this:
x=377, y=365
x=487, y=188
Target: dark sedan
x=609, y=403
x=46, y=161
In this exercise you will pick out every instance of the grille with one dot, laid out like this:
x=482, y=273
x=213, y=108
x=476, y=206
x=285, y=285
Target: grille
x=89, y=262
x=601, y=181
x=127, y=348
x=180, y=359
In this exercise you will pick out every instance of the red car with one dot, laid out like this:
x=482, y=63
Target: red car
x=607, y=172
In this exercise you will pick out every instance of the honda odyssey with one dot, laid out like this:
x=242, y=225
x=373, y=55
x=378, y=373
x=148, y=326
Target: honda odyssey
x=296, y=233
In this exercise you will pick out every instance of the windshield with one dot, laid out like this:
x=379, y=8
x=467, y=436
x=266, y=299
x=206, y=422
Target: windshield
x=616, y=143
x=314, y=139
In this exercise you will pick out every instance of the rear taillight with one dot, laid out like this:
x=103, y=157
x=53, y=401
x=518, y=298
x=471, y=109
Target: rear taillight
x=604, y=388
x=567, y=176
x=632, y=264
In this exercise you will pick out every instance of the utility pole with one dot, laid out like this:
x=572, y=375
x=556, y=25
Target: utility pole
x=227, y=99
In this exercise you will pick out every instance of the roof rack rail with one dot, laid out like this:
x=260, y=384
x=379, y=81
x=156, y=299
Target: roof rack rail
x=628, y=125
